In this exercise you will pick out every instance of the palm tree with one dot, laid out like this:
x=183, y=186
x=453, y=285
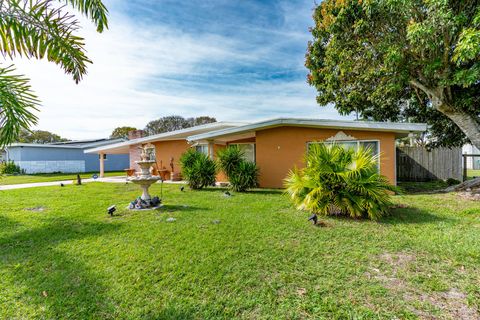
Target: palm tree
x=39, y=29
x=339, y=181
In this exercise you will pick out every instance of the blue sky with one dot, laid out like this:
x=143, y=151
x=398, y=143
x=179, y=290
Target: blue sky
x=234, y=60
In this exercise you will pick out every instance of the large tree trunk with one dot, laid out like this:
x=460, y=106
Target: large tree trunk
x=469, y=184
x=469, y=124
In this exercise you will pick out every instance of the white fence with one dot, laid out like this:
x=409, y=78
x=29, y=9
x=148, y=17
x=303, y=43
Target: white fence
x=52, y=166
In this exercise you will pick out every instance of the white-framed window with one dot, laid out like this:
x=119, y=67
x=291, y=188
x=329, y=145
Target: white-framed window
x=202, y=148
x=373, y=145
x=248, y=150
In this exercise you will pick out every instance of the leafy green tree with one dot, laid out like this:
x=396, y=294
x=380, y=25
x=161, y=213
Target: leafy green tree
x=201, y=120
x=39, y=136
x=166, y=124
x=401, y=60
x=39, y=29
x=172, y=123
x=339, y=181
x=121, y=132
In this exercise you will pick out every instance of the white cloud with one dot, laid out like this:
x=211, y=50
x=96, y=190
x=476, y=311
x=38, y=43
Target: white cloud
x=121, y=87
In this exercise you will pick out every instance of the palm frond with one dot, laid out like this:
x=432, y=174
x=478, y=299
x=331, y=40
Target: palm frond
x=17, y=103
x=93, y=9
x=37, y=29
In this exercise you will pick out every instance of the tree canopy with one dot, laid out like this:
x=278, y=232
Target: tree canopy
x=121, y=132
x=401, y=60
x=39, y=29
x=39, y=136
x=172, y=123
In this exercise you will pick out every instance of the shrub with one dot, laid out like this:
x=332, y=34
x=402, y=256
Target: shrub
x=241, y=174
x=9, y=167
x=229, y=160
x=244, y=177
x=452, y=182
x=198, y=169
x=338, y=181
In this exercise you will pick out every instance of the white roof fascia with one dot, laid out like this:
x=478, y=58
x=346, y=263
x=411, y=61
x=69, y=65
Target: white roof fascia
x=66, y=146
x=165, y=136
x=39, y=145
x=399, y=127
x=103, y=143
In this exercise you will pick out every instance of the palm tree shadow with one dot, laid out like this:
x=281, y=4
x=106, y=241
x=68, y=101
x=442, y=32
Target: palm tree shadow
x=251, y=191
x=8, y=224
x=179, y=207
x=61, y=283
x=412, y=215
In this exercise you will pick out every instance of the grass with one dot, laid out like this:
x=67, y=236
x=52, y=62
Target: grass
x=47, y=177
x=248, y=256
x=473, y=173
x=417, y=187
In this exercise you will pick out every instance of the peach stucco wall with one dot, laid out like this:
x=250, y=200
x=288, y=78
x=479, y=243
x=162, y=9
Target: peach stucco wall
x=165, y=150
x=279, y=149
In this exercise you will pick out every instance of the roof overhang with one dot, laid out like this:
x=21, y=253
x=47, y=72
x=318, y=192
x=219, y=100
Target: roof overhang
x=400, y=129
x=70, y=145
x=183, y=134
x=39, y=145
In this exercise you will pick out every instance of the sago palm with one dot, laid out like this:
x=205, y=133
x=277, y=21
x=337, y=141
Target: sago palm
x=339, y=181
x=39, y=29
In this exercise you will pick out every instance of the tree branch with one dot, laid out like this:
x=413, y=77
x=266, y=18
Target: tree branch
x=417, y=84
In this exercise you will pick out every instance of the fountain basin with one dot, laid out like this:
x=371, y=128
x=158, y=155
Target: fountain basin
x=144, y=179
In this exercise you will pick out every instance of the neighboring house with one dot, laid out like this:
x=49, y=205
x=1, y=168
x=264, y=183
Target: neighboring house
x=64, y=157
x=472, y=162
x=276, y=145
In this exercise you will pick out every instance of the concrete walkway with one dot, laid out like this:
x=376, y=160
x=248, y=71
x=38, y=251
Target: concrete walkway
x=119, y=179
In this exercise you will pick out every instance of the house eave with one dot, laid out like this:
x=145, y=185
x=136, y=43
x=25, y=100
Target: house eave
x=401, y=129
x=182, y=134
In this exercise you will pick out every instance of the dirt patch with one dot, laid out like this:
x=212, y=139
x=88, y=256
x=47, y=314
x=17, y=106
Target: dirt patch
x=301, y=292
x=399, y=206
x=452, y=304
x=470, y=194
x=322, y=224
x=36, y=209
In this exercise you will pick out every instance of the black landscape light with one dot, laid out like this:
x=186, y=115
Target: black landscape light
x=313, y=218
x=62, y=185
x=182, y=188
x=226, y=193
x=111, y=210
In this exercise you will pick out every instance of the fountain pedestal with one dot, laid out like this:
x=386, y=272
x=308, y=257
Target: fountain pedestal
x=144, y=178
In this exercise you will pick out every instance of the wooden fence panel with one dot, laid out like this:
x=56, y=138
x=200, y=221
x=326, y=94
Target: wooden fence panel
x=419, y=164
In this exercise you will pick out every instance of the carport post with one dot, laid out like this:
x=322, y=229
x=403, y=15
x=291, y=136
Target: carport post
x=210, y=149
x=102, y=165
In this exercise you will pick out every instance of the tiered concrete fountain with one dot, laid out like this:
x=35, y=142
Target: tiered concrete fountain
x=145, y=179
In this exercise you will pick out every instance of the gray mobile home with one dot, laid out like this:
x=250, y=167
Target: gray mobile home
x=64, y=157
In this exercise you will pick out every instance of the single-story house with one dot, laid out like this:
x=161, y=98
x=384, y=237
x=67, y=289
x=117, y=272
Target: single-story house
x=276, y=145
x=64, y=157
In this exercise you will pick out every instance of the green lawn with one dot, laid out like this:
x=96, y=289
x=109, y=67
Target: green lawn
x=46, y=177
x=473, y=173
x=248, y=256
x=427, y=187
